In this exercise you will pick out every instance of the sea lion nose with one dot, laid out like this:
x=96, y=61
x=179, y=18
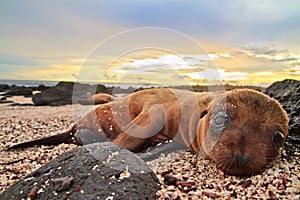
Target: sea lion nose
x=241, y=160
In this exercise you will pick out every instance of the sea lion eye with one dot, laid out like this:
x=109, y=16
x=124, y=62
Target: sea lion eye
x=277, y=140
x=218, y=122
x=221, y=120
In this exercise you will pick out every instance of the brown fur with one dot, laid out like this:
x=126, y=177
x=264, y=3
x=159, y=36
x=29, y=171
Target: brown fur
x=99, y=98
x=242, y=147
x=254, y=119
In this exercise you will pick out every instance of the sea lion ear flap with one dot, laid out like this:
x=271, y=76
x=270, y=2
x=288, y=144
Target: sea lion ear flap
x=204, y=112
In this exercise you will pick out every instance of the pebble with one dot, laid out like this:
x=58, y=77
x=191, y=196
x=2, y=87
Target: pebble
x=18, y=124
x=200, y=179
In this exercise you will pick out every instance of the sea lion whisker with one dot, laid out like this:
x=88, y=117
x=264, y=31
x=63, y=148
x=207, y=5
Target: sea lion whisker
x=228, y=166
x=224, y=163
x=266, y=146
x=270, y=158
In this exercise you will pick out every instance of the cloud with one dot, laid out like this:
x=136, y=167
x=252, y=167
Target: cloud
x=163, y=63
x=214, y=56
x=179, y=69
x=219, y=74
x=257, y=64
x=269, y=53
x=269, y=57
x=174, y=69
x=269, y=50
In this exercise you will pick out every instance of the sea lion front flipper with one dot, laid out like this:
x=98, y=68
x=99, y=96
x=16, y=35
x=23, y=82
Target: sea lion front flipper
x=146, y=125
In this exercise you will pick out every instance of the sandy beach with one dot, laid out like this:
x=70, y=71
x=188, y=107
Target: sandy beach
x=196, y=178
x=22, y=123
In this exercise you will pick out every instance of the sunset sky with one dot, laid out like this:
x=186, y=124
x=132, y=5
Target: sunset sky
x=239, y=42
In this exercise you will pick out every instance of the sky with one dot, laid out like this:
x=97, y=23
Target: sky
x=151, y=42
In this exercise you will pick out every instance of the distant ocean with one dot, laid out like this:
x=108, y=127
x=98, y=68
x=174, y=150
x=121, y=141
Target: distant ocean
x=35, y=83
x=28, y=83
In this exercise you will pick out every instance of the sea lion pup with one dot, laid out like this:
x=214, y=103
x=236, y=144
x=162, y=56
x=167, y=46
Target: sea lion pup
x=241, y=130
x=99, y=98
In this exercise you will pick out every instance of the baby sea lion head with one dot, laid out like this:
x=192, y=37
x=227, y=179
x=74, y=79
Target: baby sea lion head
x=246, y=131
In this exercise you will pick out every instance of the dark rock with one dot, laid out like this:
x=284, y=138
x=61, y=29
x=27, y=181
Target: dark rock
x=42, y=88
x=63, y=183
x=3, y=99
x=20, y=104
x=119, y=90
x=86, y=90
x=6, y=101
x=287, y=92
x=170, y=180
x=88, y=136
x=8, y=96
x=61, y=94
x=101, y=89
x=19, y=91
x=95, y=171
x=4, y=87
x=64, y=93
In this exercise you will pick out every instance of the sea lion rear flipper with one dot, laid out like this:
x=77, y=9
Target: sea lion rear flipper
x=65, y=137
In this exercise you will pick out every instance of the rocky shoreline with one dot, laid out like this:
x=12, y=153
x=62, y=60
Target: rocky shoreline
x=65, y=93
x=181, y=175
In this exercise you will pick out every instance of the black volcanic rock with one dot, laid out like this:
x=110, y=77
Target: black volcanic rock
x=19, y=91
x=287, y=92
x=5, y=101
x=4, y=87
x=42, y=87
x=95, y=171
x=64, y=92
x=61, y=94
